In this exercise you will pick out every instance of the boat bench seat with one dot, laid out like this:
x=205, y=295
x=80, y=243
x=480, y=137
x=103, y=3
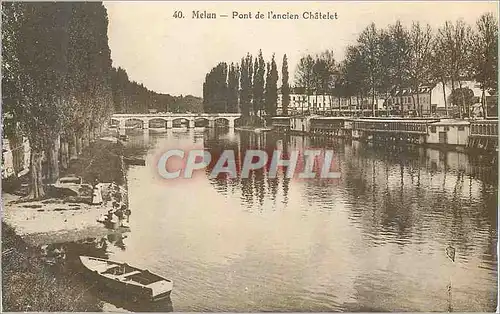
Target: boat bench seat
x=124, y=276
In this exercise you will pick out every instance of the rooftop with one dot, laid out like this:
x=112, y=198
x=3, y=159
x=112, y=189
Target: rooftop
x=451, y=122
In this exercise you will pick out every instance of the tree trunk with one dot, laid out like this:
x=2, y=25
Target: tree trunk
x=86, y=139
x=416, y=104
x=79, y=144
x=72, y=146
x=401, y=104
x=444, y=96
x=16, y=146
x=462, y=105
x=53, y=158
x=483, y=103
x=386, y=102
x=37, y=190
x=357, y=103
x=63, y=153
x=373, y=102
x=340, y=106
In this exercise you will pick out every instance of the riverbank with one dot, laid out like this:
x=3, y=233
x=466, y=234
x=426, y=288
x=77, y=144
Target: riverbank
x=57, y=218
x=29, y=285
x=28, y=226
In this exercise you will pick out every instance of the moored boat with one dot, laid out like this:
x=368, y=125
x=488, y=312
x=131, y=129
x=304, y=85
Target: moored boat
x=135, y=282
x=134, y=161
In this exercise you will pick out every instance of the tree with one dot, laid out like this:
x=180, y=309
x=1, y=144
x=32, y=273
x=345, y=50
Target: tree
x=485, y=55
x=40, y=55
x=258, y=83
x=324, y=70
x=439, y=69
x=355, y=74
x=285, y=87
x=453, y=42
x=462, y=98
x=12, y=16
x=57, y=78
x=217, y=93
x=420, y=58
x=400, y=53
x=246, y=85
x=271, y=87
x=250, y=80
x=369, y=48
x=233, y=88
x=304, y=76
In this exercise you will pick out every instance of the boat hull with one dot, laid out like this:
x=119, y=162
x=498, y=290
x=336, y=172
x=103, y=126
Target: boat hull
x=130, y=290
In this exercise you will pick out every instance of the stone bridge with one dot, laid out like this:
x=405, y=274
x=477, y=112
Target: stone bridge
x=169, y=118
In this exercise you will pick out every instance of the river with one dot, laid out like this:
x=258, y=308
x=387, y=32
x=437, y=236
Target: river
x=373, y=240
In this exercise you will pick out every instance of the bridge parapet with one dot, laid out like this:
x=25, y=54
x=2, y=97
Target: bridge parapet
x=169, y=117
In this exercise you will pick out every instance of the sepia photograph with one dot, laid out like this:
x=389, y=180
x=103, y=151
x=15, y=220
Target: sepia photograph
x=287, y=156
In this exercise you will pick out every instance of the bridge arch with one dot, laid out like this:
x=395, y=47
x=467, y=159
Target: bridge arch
x=158, y=122
x=221, y=122
x=201, y=122
x=134, y=122
x=178, y=122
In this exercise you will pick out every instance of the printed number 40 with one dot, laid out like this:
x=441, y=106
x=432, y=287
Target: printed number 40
x=178, y=15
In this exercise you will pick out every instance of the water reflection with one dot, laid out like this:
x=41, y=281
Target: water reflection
x=64, y=258
x=117, y=301
x=418, y=199
x=362, y=243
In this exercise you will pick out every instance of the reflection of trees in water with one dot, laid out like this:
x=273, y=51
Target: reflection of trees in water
x=257, y=186
x=398, y=194
x=411, y=196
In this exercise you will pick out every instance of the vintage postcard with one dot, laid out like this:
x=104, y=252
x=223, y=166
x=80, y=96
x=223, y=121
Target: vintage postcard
x=249, y=156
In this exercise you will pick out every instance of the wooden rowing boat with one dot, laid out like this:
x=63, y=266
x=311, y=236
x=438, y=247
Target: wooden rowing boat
x=137, y=283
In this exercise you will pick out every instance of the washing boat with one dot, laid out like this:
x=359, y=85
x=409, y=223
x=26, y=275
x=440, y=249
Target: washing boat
x=133, y=282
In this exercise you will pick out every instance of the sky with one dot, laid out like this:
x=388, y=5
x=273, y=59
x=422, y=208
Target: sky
x=173, y=55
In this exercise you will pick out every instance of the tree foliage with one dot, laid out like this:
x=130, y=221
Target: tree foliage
x=59, y=86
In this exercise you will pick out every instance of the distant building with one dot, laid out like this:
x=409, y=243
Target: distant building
x=430, y=97
x=409, y=99
x=301, y=103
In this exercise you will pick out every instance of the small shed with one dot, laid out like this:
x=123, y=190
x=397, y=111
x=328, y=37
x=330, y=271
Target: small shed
x=448, y=131
x=300, y=123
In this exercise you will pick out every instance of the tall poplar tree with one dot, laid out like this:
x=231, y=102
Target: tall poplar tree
x=258, y=83
x=285, y=87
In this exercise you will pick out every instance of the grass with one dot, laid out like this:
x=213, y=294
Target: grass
x=28, y=283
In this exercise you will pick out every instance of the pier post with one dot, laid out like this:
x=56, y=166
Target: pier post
x=231, y=123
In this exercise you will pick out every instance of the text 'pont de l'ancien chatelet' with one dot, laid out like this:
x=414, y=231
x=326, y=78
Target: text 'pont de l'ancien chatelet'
x=269, y=15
